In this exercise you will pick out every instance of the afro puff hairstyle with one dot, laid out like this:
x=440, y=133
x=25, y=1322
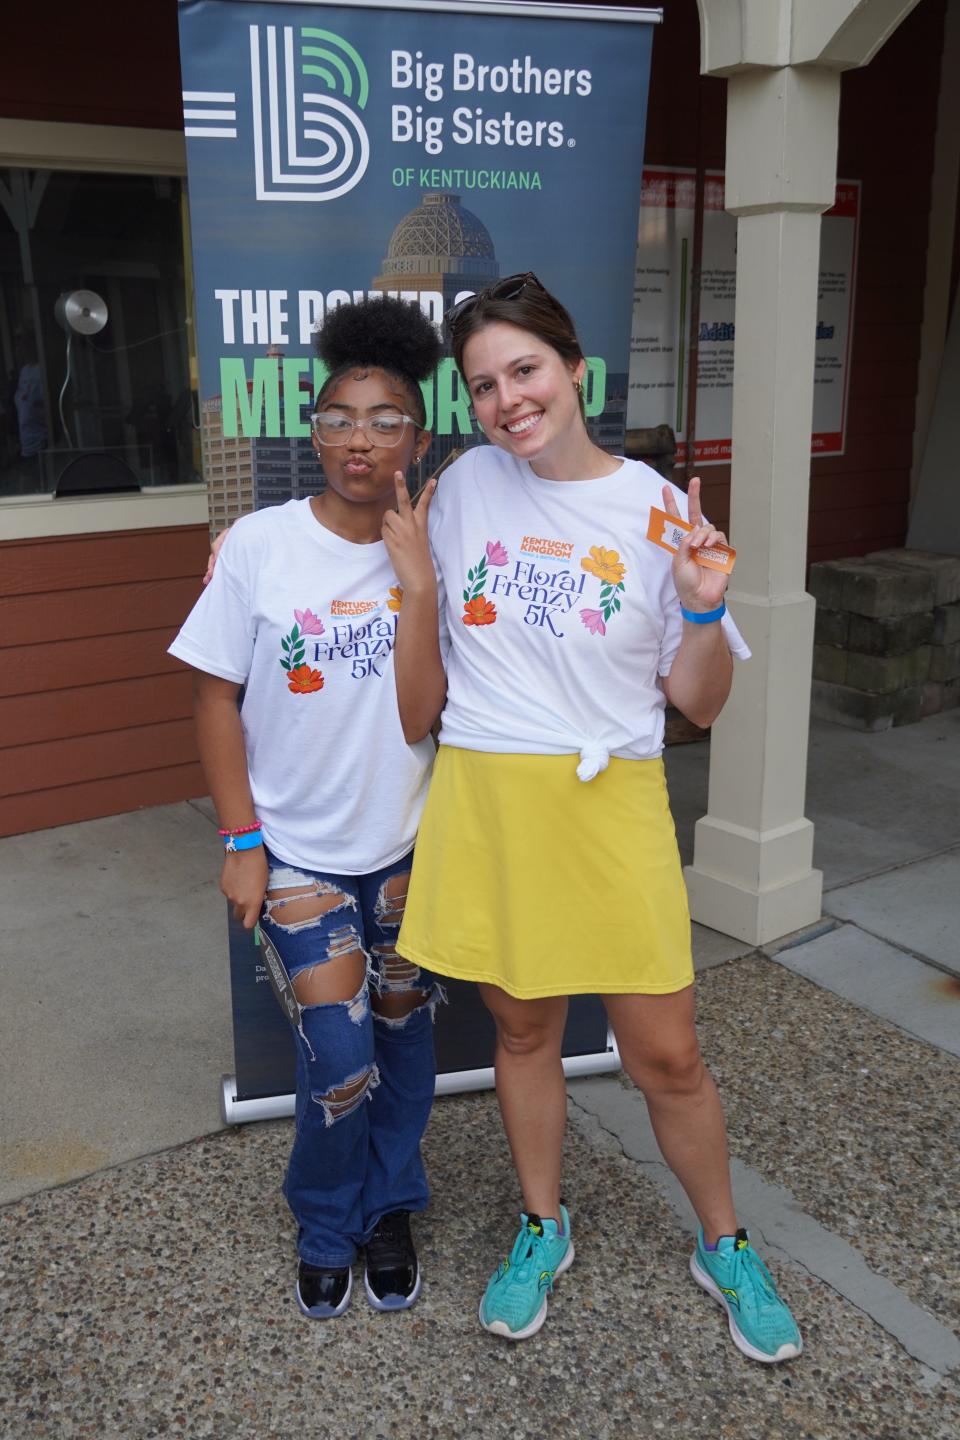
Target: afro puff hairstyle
x=380, y=334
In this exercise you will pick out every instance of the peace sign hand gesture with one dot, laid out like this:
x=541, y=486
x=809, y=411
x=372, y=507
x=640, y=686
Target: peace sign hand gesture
x=698, y=588
x=405, y=536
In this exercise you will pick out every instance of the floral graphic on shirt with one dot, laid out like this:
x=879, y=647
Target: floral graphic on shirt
x=309, y=623
x=605, y=564
x=303, y=680
x=609, y=569
x=396, y=598
x=477, y=610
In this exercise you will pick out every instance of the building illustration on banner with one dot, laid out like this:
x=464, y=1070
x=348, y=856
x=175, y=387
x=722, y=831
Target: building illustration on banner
x=441, y=248
x=227, y=467
x=250, y=473
x=437, y=250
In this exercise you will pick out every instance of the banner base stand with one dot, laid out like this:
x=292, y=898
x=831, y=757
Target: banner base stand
x=235, y=1111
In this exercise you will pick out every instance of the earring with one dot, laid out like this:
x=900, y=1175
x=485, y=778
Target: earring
x=578, y=386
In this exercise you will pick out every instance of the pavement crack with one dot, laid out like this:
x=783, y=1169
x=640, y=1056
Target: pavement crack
x=900, y=945
x=615, y=1135
x=889, y=869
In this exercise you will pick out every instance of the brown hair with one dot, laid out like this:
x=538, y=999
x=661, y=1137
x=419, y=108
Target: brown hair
x=530, y=308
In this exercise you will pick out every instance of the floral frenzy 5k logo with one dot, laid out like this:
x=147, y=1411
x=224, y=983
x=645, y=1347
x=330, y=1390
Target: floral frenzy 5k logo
x=301, y=680
x=607, y=566
x=477, y=609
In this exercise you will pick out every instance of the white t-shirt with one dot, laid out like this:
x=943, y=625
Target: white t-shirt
x=306, y=621
x=561, y=613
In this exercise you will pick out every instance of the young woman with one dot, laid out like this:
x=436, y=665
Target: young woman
x=319, y=796
x=547, y=862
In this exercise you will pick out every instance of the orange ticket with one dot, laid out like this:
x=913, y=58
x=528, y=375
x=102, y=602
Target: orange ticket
x=668, y=531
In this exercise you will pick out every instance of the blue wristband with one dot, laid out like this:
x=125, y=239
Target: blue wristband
x=250, y=841
x=707, y=617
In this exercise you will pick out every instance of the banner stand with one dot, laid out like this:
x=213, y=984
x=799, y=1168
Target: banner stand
x=261, y=1087
x=235, y=1111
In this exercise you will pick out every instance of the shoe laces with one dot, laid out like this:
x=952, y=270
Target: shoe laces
x=391, y=1237
x=747, y=1264
x=527, y=1249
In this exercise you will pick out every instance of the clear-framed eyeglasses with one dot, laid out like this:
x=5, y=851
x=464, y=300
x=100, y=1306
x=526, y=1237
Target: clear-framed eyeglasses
x=331, y=428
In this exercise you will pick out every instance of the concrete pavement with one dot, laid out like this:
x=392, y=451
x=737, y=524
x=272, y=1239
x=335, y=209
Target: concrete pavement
x=146, y=1268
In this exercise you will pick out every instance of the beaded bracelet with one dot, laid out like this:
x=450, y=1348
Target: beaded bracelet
x=241, y=829
x=250, y=841
x=705, y=617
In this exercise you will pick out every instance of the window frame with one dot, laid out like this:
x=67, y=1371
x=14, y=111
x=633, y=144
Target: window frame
x=110, y=150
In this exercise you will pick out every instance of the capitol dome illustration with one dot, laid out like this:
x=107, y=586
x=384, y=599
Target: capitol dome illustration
x=441, y=235
x=439, y=249
x=439, y=246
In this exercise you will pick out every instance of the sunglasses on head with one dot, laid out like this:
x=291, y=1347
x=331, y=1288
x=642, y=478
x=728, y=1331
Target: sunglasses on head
x=506, y=289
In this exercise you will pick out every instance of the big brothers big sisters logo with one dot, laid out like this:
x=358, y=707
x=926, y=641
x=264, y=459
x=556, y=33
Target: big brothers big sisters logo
x=308, y=143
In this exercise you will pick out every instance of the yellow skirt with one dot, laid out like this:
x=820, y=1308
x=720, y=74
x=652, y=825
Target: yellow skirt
x=530, y=879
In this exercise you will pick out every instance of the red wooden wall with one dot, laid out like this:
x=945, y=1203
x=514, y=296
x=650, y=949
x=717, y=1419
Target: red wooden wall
x=108, y=63
x=95, y=717
x=888, y=111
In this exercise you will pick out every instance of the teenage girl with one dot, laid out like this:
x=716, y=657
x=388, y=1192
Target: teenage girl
x=319, y=796
x=549, y=633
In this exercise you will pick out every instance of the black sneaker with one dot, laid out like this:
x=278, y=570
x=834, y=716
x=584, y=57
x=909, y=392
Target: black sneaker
x=391, y=1275
x=323, y=1294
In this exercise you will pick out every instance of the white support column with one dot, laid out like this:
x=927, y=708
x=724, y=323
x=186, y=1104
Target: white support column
x=752, y=873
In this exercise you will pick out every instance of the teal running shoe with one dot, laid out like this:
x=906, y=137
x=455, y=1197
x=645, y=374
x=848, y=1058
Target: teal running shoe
x=760, y=1322
x=515, y=1301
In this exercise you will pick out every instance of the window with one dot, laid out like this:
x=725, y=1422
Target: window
x=115, y=402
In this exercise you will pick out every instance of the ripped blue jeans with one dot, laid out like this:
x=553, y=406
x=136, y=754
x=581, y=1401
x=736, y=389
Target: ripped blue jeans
x=365, y=1080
